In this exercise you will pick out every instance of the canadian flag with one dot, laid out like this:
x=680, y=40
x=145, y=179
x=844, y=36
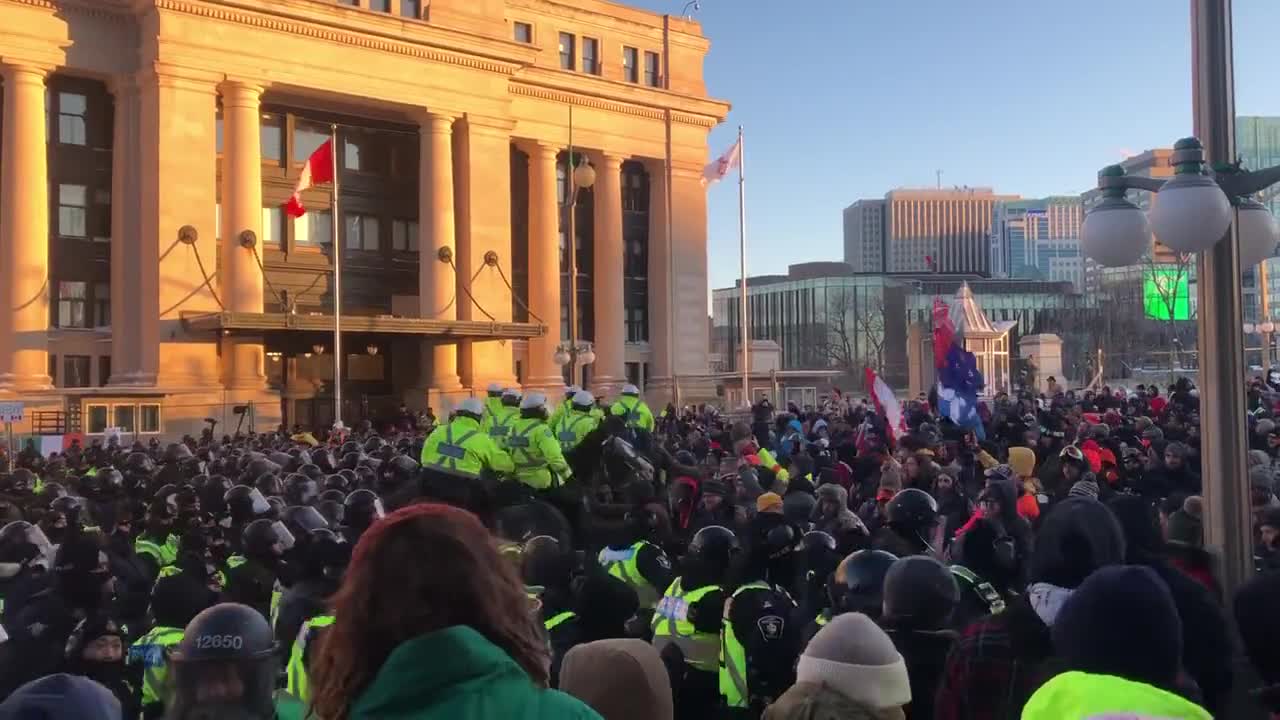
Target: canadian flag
x=717, y=169
x=318, y=170
x=887, y=404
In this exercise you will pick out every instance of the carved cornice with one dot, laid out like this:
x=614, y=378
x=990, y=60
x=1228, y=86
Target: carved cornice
x=598, y=103
x=102, y=8
x=319, y=32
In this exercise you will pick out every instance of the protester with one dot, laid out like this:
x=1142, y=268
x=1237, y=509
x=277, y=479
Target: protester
x=620, y=679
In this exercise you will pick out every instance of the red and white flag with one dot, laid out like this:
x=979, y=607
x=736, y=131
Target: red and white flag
x=886, y=404
x=318, y=170
x=717, y=169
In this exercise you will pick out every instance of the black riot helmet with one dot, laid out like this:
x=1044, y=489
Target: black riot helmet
x=328, y=555
x=335, y=495
x=246, y=504
x=262, y=537
x=23, y=480
x=225, y=641
x=338, y=483
x=269, y=484
x=858, y=582
x=302, y=519
x=402, y=469
x=176, y=453
x=362, y=508
x=312, y=471
x=373, y=444
x=139, y=464
x=300, y=489
x=820, y=553
x=545, y=562
x=920, y=593
x=109, y=479
x=333, y=511
x=912, y=509
x=714, y=546
x=70, y=507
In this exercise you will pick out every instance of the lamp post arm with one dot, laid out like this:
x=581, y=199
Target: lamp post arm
x=1238, y=184
x=1132, y=182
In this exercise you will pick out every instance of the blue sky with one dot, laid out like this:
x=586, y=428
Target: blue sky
x=845, y=99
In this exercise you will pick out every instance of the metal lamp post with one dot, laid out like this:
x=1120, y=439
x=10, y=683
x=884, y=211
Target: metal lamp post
x=1207, y=212
x=580, y=177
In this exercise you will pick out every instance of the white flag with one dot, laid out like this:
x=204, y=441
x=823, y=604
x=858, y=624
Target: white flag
x=717, y=169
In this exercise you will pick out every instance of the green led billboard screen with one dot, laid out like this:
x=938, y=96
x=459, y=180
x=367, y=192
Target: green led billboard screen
x=1165, y=289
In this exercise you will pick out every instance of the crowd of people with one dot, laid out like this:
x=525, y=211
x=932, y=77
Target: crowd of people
x=565, y=557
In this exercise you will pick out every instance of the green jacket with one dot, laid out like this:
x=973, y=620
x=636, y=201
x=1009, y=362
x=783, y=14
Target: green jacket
x=1084, y=695
x=463, y=447
x=457, y=674
x=536, y=453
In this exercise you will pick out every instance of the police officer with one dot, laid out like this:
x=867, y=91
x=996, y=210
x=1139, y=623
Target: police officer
x=251, y=577
x=535, y=452
x=919, y=598
x=857, y=585
x=821, y=557
x=564, y=405
x=632, y=409
x=575, y=420
x=157, y=545
x=759, y=639
x=498, y=422
x=25, y=557
x=912, y=526
x=306, y=602
x=176, y=599
x=463, y=447
x=686, y=624
x=225, y=666
x=361, y=509
x=642, y=565
x=985, y=565
x=493, y=399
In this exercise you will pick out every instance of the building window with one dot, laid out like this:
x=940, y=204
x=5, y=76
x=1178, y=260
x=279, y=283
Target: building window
x=72, y=210
x=591, y=55
x=307, y=136
x=523, y=32
x=410, y=9
x=314, y=228
x=72, y=304
x=362, y=232
x=101, y=216
x=75, y=371
x=351, y=152
x=567, y=52
x=272, y=225
x=637, y=324
x=95, y=419
x=631, y=64
x=149, y=418
x=72, y=109
x=652, y=71
x=352, y=3
x=404, y=235
x=122, y=416
x=101, y=305
x=380, y=5
x=104, y=370
x=271, y=137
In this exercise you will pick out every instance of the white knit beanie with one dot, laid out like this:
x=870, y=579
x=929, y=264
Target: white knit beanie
x=853, y=656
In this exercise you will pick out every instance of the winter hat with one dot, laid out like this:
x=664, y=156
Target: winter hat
x=1121, y=621
x=814, y=701
x=1185, y=528
x=769, y=502
x=620, y=679
x=1078, y=537
x=853, y=656
x=1023, y=461
x=59, y=697
x=1264, y=427
x=1259, y=457
x=1084, y=488
x=798, y=507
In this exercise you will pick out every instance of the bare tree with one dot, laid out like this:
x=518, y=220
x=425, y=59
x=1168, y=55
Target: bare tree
x=851, y=334
x=1167, y=278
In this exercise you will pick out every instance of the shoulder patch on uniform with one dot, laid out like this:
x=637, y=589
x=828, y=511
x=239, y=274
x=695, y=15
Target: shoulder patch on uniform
x=771, y=626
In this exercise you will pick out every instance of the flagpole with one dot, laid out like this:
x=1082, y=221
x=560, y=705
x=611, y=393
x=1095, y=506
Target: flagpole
x=337, y=279
x=742, y=257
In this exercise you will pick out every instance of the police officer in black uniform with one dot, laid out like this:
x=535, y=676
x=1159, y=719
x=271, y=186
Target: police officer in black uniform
x=920, y=596
x=857, y=585
x=251, y=577
x=361, y=509
x=225, y=667
x=985, y=563
x=911, y=527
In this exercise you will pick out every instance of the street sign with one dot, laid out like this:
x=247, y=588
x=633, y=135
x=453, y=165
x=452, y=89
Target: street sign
x=11, y=411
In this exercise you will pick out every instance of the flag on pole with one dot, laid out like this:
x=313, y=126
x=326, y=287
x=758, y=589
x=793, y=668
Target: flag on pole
x=717, y=169
x=318, y=170
x=886, y=404
x=944, y=332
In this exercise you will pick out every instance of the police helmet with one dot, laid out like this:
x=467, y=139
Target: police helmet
x=300, y=489
x=373, y=444
x=109, y=478
x=817, y=540
x=511, y=397
x=534, y=401
x=583, y=400
x=22, y=543
x=495, y=389
x=912, y=509
x=471, y=407
x=858, y=582
x=260, y=536
x=70, y=507
x=225, y=641
x=176, y=453
x=23, y=479
x=246, y=503
x=336, y=494
x=714, y=545
x=300, y=520
x=328, y=554
x=402, y=469
x=572, y=390
x=631, y=390
x=332, y=510
x=362, y=508
x=139, y=463
x=779, y=541
x=311, y=470
x=921, y=589
x=545, y=562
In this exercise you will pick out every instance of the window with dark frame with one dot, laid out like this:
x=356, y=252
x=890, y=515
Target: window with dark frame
x=307, y=137
x=404, y=235
x=568, y=54
x=272, y=226
x=149, y=418
x=101, y=305
x=73, y=301
x=123, y=417
x=631, y=64
x=591, y=56
x=271, y=138
x=380, y=5
x=95, y=419
x=73, y=204
x=411, y=9
x=73, y=109
x=313, y=229
x=53, y=369
x=652, y=70
x=361, y=232
x=523, y=32
x=75, y=371
x=104, y=370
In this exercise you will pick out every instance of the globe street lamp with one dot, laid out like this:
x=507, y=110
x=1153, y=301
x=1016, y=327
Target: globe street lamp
x=581, y=176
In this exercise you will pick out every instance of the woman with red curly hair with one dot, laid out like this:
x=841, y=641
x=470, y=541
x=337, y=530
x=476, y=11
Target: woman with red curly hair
x=431, y=623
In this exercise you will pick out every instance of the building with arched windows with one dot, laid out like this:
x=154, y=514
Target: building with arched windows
x=153, y=280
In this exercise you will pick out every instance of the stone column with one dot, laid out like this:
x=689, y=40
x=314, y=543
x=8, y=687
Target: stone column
x=437, y=284
x=544, y=265
x=24, y=233
x=609, y=371
x=689, y=273
x=659, y=280
x=241, y=212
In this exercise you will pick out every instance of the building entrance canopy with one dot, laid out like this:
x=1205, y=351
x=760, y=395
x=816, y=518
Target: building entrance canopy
x=250, y=323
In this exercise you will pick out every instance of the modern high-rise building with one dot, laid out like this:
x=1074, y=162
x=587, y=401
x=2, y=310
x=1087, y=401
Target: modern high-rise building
x=940, y=230
x=864, y=235
x=1258, y=146
x=1038, y=240
x=151, y=278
